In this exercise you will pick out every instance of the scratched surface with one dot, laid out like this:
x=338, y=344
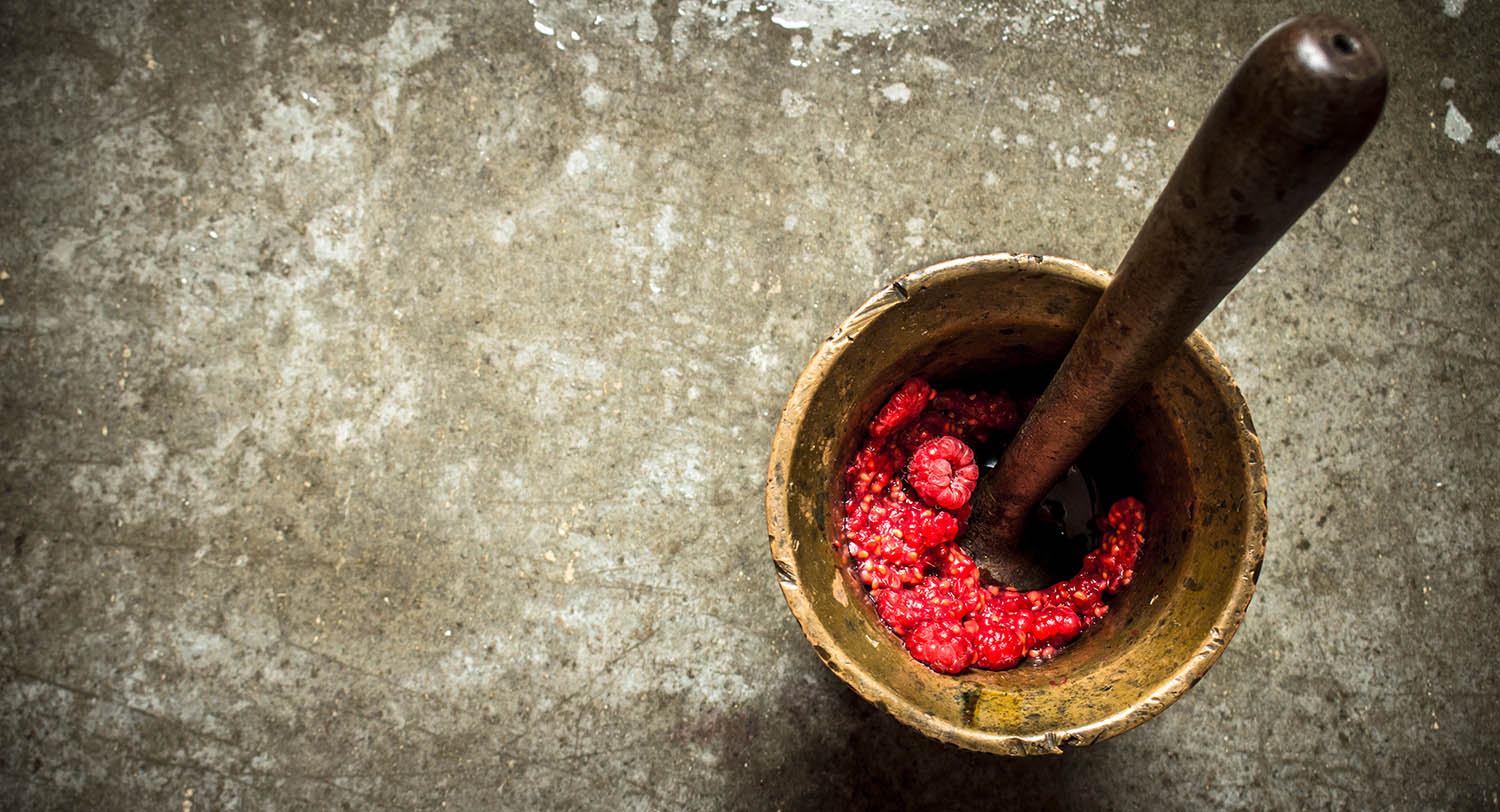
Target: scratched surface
x=387, y=391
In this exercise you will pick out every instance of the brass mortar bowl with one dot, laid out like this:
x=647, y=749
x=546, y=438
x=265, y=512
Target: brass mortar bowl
x=1184, y=445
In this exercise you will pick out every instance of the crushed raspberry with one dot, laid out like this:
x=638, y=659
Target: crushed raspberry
x=1128, y=516
x=997, y=647
x=943, y=645
x=949, y=598
x=902, y=408
x=901, y=609
x=906, y=499
x=943, y=472
x=1056, y=625
x=953, y=562
x=978, y=411
x=931, y=425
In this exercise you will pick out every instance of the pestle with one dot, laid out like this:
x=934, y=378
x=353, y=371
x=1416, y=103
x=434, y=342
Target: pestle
x=1292, y=116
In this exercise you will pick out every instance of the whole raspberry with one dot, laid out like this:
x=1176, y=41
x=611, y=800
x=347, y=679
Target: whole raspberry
x=943, y=472
x=941, y=645
x=902, y=408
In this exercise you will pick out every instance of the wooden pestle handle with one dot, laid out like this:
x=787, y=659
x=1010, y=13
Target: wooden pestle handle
x=1294, y=113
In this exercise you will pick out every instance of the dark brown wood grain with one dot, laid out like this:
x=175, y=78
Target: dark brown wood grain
x=1292, y=116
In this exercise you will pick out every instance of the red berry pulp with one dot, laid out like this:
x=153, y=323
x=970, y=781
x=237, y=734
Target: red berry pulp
x=906, y=499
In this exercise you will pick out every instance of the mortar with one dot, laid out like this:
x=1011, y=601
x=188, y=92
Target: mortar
x=1184, y=445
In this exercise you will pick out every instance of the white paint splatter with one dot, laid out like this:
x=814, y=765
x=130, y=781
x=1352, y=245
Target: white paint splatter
x=1493, y=145
x=1455, y=126
x=823, y=19
x=1448, y=83
x=1453, y=8
x=898, y=92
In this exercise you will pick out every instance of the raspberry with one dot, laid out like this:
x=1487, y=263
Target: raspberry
x=877, y=574
x=1009, y=600
x=931, y=425
x=1128, y=516
x=1018, y=619
x=961, y=516
x=1056, y=625
x=932, y=599
x=901, y=609
x=1081, y=593
x=933, y=527
x=952, y=562
x=979, y=410
x=942, y=646
x=997, y=646
x=902, y=408
x=915, y=525
x=943, y=472
x=906, y=498
x=946, y=599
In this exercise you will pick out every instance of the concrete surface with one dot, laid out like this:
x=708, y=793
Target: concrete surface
x=387, y=392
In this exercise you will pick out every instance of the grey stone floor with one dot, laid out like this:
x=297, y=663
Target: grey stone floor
x=387, y=392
